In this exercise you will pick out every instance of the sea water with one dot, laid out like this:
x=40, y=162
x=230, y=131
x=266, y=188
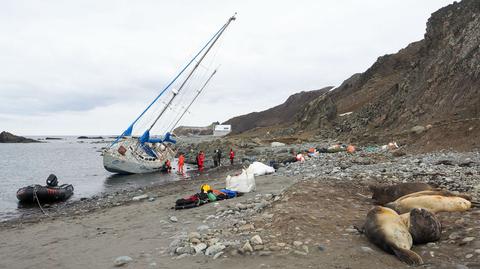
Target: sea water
x=73, y=161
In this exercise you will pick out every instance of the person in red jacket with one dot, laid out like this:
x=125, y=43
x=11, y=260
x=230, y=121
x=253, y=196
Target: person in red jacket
x=201, y=161
x=181, y=162
x=232, y=155
x=167, y=166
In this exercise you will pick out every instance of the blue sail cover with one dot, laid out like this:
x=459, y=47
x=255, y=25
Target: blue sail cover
x=145, y=137
x=168, y=138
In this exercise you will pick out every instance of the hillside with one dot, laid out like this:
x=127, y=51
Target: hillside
x=281, y=114
x=427, y=94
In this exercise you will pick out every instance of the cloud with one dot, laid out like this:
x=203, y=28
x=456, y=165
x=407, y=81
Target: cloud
x=74, y=61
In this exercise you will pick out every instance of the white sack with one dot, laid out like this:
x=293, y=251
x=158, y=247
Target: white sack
x=260, y=169
x=245, y=182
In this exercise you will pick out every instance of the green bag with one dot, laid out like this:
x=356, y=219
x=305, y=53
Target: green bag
x=212, y=197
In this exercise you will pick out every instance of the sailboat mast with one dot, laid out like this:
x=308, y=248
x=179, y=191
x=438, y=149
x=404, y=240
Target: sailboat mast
x=193, y=70
x=195, y=98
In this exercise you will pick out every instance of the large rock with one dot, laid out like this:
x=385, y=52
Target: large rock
x=6, y=137
x=214, y=249
x=122, y=260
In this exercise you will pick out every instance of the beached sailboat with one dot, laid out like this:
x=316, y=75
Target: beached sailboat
x=130, y=154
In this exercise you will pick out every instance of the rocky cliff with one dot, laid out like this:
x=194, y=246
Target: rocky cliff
x=428, y=92
x=281, y=114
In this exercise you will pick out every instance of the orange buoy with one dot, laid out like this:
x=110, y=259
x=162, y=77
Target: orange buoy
x=351, y=149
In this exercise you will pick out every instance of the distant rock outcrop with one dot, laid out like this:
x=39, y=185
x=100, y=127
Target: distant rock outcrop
x=191, y=130
x=89, y=137
x=281, y=114
x=6, y=137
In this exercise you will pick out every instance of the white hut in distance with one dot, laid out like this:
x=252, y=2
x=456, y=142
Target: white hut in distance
x=221, y=130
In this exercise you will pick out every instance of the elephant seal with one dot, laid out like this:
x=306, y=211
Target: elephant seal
x=383, y=194
x=433, y=201
x=388, y=230
x=423, y=225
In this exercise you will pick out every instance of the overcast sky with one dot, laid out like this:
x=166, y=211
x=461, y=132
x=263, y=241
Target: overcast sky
x=90, y=67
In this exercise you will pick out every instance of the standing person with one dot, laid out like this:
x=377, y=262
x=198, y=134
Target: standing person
x=181, y=162
x=167, y=166
x=215, y=158
x=232, y=155
x=201, y=161
x=219, y=157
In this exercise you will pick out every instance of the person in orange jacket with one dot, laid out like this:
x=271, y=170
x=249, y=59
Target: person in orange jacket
x=232, y=155
x=181, y=162
x=201, y=161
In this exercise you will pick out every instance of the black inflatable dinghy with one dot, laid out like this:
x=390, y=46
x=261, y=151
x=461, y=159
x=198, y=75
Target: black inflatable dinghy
x=50, y=193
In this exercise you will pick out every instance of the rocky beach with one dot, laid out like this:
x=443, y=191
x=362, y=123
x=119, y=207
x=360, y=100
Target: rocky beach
x=304, y=215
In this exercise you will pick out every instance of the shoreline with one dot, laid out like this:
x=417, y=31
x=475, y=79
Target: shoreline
x=304, y=214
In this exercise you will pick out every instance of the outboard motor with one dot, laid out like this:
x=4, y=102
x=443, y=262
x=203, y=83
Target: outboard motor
x=52, y=180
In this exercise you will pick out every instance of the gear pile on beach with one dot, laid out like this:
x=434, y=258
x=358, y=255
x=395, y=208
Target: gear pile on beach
x=206, y=195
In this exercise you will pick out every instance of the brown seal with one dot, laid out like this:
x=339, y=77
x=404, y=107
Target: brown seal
x=383, y=194
x=434, y=201
x=424, y=226
x=388, y=230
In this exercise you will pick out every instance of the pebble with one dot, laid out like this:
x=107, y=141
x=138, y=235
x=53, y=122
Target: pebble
x=247, y=247
x=265, y=253
x=122, y=260
x=217, y=255
x=199, y=248
x=366, y=249
x=246, y=227
x=203, y=228
x=321, y=247
x=173, y=219
x=182, y=256
x=256, y=240
x=140, y=197
x=468, y=256
x=454, y=236
x=301, y=253
x=214, y=249
x=241, y=206
x=468, y=239
x=297, y=243
x=258, y=247
x=193, y=235
x=351, y=230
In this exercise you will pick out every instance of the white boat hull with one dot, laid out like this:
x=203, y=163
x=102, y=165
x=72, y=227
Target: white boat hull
x=132, y=161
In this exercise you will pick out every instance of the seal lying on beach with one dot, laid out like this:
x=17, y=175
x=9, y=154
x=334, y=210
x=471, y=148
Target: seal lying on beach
x=383, y=194
x=388, y=230
x=423, y=225
x=434, y=201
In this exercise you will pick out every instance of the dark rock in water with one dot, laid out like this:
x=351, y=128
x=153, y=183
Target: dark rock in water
x=89, y=137
x=6, y=137
x=53, y=138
